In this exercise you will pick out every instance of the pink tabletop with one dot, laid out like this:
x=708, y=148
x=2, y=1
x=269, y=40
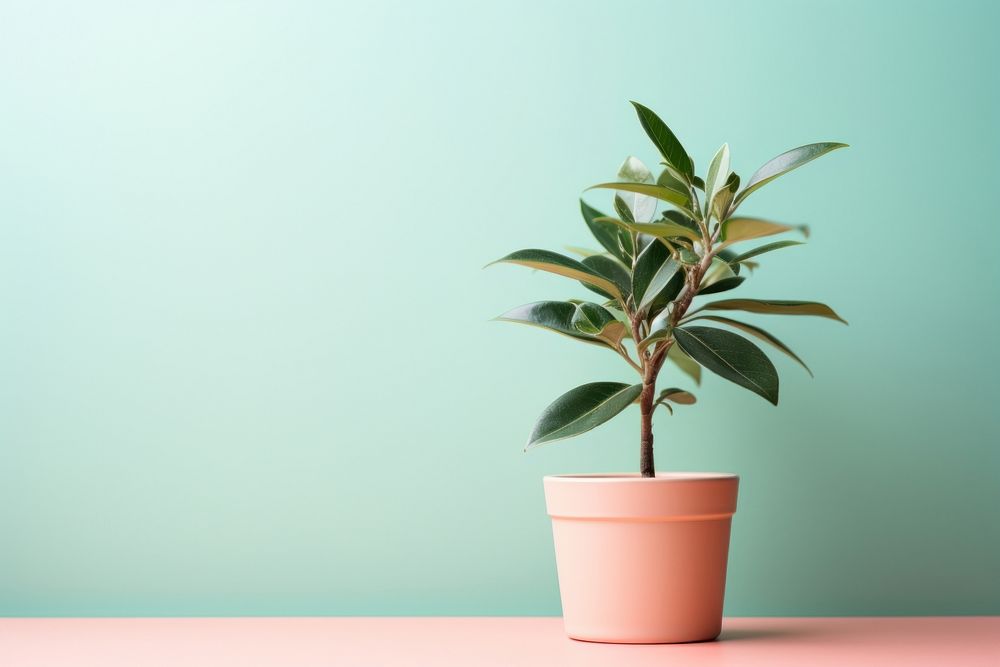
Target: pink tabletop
x=484, y=642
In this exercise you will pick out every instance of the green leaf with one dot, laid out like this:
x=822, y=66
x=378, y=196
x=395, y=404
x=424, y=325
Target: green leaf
x=755, y=331
x=553, y=262
x=718, y=175
x=561, y=317
x=717, y=270
x=611, y=269
x=667, y=294
x=776, y=307
x=676, y=217
x=623, y=210
x=677, y=395
x=723, y=285
x=777, y=245
x=662, y=287
x=679, y=177
x=688, y=257
x=668, y=145
x=735, y=230
x=723, y=200
x=646, y=267
x=785, y=163
x=731, y=357
x=581, y=409
x=671, y=182
x=591, y=319
x=659, y=229
x=642, y=207
x=606, y=233
x=661, y=331
x=650, y=190
x=685, y=363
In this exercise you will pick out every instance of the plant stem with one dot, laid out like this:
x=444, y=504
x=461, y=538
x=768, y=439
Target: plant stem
x=652, y=363
x=646, y=465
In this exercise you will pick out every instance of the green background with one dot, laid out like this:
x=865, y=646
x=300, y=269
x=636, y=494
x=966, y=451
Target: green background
x=246, y=362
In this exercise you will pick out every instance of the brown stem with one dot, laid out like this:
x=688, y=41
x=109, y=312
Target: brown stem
x=652, y=362
x=646, y=465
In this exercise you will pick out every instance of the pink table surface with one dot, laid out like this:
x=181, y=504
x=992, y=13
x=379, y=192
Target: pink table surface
x=969, y=641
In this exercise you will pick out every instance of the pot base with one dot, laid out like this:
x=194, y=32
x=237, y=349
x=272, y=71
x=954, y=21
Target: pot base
x=613, y=640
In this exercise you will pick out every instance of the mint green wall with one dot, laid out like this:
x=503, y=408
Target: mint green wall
x=246, y=365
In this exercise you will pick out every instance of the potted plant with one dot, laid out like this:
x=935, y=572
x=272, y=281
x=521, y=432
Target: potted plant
x=642, y=558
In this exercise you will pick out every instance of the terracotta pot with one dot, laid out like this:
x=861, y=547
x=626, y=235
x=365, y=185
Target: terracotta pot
x=642, y=560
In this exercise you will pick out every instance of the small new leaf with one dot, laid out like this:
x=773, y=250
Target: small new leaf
x=677, y=395
x=718, y=175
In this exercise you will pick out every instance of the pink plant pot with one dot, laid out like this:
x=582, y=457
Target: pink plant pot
x=642, y=560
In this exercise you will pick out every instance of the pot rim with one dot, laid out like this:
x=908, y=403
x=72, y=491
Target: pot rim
x=662, y=477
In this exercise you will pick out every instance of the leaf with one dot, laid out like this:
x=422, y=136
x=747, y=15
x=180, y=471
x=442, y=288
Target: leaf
x=681, y=219
x=777, y=245
x=642, y=207
x=590, y=318
x=583, y=252
x=785, y=163
x=668, y=145
x=660, y=331
x=612, y=270
x=723, y=285
x=718, y=174
x=735, y=230
x=677, y=395
x=614, y=333
x=731, y=357
x=646, y=267
x=581, y=409
x=668, y=180
x=662, y=287
x=758, y=332
x=606, y=233
x=685, y=363
x=717, y=270
x=553, y=262
x=722, y=201
x=776, y=307
x=659, y=229
x=561, y=317
x=678, y=176
x=688, y=257
x=623, y=210
x=674, y=197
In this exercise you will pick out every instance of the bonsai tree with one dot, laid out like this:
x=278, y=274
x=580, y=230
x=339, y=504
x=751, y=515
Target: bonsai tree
x=649, y=276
